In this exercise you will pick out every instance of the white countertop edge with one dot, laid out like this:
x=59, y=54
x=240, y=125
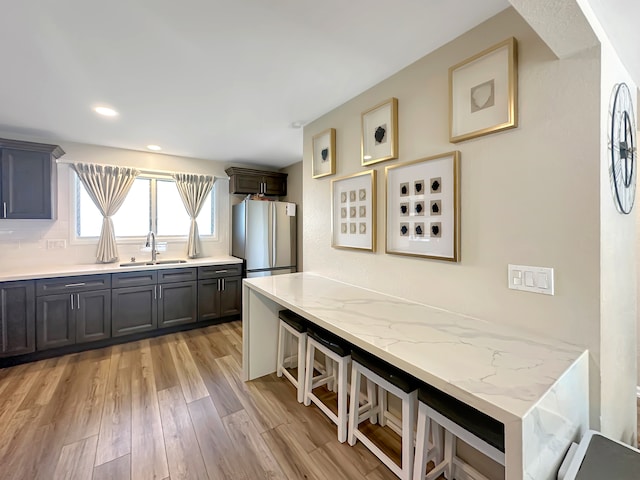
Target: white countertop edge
x=52, y=271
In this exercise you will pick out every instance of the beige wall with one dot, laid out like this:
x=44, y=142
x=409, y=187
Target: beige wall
x=529, y=196
x=294, y=194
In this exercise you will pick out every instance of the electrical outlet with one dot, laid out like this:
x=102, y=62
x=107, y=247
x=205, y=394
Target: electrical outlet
x=531, y=279
x=56, y=244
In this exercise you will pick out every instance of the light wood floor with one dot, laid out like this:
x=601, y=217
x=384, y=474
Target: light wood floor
x=172, y=407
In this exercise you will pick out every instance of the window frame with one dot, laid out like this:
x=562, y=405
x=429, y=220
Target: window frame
x=75, y=239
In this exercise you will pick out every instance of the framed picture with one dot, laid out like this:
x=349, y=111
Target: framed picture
x=380, y=132
x=323, y=160
x=423, y=207
x=353, y=211
x=483, y=93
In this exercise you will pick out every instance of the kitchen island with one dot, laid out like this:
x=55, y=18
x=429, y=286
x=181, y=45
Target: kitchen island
x=536, y=386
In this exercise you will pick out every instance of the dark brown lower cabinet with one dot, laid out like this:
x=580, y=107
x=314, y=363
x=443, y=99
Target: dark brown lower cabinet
x=93, y=316
x=17, y=318
x=177, y=303
x=231, y=296
x=219, y=297
x=134, y=309
x=69, y=318
x=56, y=324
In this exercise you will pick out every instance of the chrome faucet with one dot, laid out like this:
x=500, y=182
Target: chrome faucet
x=151, y=242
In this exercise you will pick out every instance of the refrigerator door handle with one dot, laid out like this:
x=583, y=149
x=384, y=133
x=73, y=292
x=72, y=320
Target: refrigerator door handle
x=270, y=234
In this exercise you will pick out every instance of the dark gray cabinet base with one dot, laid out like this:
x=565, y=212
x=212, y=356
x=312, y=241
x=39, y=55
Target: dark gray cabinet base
x=177, y=303
x=134, y=309
x=219, y=297
x=54, y=316
x=17, y=318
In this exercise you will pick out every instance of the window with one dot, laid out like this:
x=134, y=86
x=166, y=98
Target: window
x=153, y=203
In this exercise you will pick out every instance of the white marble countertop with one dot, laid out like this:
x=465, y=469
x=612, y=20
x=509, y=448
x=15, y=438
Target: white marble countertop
x=50, y=271
x=495, y=368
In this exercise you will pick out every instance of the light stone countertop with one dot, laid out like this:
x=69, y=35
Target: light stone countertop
x=496, y=368
x=51, y=271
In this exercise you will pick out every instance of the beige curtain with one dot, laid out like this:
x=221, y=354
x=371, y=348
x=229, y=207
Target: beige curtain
x=193, y=190
x=108, y=187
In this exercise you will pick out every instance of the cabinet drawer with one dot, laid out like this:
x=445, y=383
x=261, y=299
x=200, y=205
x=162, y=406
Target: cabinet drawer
x=177, y=275
x=134, y=279
x=219, y=271
x=51, y=286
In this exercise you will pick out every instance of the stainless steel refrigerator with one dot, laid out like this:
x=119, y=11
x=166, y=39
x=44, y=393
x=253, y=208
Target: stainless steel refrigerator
x=264, y=235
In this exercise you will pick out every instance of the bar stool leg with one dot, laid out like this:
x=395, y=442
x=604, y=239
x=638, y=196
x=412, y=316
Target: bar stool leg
x=372, y=399
x=408, y=422
x=382, y=402
x=308, y=374
x=342, y=400
x=355, y=404
x=449, y=453
x=422, y=443
x=302, y=347
x=281, y=350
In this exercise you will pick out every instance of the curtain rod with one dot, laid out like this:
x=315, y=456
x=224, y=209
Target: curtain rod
x=145, y=170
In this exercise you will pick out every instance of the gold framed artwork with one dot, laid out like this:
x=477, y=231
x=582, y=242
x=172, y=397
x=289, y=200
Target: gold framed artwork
x=353, y=211
x=323, y=160
x=483, y=93
x=379, y=140
x=422, y=213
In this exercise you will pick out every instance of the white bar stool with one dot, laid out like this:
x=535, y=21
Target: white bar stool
x=391, y=380
x=460, y=421
x=339, y=352
x=292, y=326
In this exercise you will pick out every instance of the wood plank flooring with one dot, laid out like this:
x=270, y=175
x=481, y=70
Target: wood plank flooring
x=172, y=407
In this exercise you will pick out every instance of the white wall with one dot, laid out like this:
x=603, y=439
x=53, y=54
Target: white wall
x=618, y=319
x=618, y=267
x=529, y=196
x=23, y=243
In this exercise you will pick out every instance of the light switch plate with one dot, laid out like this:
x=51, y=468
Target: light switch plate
x=531, y=279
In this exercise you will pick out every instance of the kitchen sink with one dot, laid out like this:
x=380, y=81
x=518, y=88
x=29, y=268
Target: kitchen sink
x=157, y=262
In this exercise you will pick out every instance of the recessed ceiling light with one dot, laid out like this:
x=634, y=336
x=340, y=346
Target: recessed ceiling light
x=106, y=111
x=155, y=148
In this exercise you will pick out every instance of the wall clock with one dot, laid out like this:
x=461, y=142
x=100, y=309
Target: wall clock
x=622, y=145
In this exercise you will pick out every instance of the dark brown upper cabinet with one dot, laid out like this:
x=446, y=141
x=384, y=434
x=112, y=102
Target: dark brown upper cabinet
x=28, y=180
x=249, y=181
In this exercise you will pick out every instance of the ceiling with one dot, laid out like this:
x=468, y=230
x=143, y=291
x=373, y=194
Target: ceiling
x=213, y=79
x=223, y=80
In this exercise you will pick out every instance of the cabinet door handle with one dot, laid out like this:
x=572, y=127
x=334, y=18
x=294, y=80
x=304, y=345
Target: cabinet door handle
x=221, y=271
x=224, y=285
x=155, y=292
x=4, y=209
x=71, y=301
x=75, y=284
x=161, y=291
x=218, y=284
x=78, y=303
